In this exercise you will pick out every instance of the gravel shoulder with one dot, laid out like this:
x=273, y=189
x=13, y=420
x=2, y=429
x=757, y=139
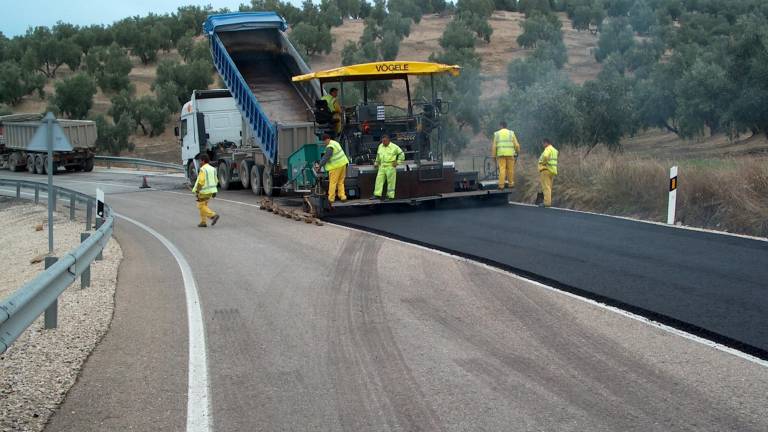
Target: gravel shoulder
x=41, y=366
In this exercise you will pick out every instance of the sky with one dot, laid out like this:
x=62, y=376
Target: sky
x=18, y=15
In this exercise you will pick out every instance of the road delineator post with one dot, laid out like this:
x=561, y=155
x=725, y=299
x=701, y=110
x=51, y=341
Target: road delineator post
x=672, y=195
x=99, y=223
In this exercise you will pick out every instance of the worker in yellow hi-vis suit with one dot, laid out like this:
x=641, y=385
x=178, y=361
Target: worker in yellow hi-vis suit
x=505, y=149
x=547, y=170
x=388, y=156
x=330, y=98
x=205, y=188
x=335, y=163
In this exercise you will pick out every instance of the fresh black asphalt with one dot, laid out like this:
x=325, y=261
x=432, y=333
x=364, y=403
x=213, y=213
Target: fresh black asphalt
x=709, y=284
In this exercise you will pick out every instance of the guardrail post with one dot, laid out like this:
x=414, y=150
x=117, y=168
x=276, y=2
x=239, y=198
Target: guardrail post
x=99, y=223
x=51, y=315
x=72, y=205
x=18, y=190
x=109, y=164
x=88, y=215
x=37, y=194
x=85, y=276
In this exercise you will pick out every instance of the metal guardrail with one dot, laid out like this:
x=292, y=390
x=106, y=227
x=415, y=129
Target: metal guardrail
x=41, y=294
x=138, y=162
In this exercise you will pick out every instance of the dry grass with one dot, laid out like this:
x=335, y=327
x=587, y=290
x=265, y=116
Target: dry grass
x=725, y=194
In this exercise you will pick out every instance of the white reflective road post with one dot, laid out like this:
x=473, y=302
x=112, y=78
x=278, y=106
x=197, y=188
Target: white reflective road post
x=672, y=195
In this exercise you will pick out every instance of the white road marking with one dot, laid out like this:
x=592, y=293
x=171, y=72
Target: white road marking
x=627, y=218
x=616, y=310
x=189, y=194
x=198, y=399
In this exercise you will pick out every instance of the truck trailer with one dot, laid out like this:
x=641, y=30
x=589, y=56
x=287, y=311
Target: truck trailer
x=17, y=130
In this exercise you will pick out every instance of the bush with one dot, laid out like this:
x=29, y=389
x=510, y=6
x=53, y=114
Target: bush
x=74, y=96
x=185, y=77
x=312, y=39
x=113, y=138
x=111, y=67
x=16, y=83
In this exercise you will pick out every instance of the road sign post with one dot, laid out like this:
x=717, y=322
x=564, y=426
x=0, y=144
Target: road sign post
x=672, y=195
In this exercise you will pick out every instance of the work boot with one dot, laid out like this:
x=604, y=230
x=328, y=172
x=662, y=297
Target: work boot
x=214, y=220
x=202, y=225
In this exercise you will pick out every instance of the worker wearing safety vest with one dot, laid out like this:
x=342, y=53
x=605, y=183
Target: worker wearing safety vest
x=334, y=107
x=547, y=170
x=205, y=188
x=335, y=163
x=388, y=156
x=505, y=149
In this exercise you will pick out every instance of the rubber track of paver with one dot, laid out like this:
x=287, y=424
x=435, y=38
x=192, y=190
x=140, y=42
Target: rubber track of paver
x=712, y=285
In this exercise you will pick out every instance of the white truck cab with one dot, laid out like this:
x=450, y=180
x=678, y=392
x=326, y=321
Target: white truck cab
x=209, y=121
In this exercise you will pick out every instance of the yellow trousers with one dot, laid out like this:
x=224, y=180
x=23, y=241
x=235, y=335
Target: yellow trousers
x=546, y=186
x=202, y=205
x=336, y=184
x=506, y=170
x=388, y=174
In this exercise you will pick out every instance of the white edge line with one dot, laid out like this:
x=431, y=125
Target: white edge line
x=613, y=309
x=198, y=399
x=217, y=199
x=627, y=218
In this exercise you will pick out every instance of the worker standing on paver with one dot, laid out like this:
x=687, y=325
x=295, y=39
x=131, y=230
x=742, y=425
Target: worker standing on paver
x=547, y=170
x=505, y=149
x=205, y=188
x=334, y=107
x=388, y=156
x=335, y=163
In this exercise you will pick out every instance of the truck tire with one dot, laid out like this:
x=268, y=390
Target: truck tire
x=39, y=164
x=191, y=172
x=256, y=180
x=88, y=165
x=31, y=164
x=268, y=181
x=223, y=172
x=13, y=162
x=245, y=173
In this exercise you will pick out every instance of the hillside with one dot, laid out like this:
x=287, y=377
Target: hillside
x=423, y=41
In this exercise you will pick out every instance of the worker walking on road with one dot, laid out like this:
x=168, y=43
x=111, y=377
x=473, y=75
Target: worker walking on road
x=547, y=170
x=505, y=149
x=388, y=156
x=205, y=188
x=335, y=163
x=334, y=107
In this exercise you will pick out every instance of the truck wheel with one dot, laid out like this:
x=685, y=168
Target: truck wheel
x=31, y=164
x=39, y=164
x=223, y=172
x=267, y=180
x=13, y=162
x=191, y=172
x=88, y=165
x=245, y=173
x=256, y=180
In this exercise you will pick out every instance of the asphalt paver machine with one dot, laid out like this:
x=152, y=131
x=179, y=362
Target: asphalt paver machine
x=415, y=126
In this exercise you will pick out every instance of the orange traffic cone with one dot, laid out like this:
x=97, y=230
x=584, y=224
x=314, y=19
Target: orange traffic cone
x=145, y=184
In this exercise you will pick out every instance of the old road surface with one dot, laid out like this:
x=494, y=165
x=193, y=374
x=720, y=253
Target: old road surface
x=307, y=328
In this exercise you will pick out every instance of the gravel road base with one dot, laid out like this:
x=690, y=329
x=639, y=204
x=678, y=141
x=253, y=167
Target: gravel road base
x=41, y=366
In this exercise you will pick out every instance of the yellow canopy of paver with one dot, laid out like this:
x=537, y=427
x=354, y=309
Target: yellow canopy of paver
x=379, y=71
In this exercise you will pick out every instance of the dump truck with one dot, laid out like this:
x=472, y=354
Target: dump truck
x=250, y=128
x=273, y=144
x=17, y=131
